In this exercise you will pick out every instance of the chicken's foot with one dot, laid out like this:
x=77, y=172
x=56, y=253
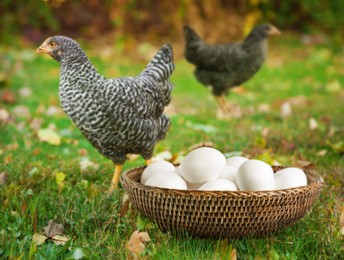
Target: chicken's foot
x=115, y=178
x=227, y=111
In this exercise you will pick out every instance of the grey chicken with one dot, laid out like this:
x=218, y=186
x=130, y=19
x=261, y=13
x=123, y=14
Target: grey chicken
x=118, y=116
x=224, y=66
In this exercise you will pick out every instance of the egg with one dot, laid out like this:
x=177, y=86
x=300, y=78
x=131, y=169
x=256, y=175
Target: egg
x=229, y=172
x=219, y=184
x=156, y=167
x=202, y=165
x=290, y=177
x=236, y=161
x=178, y=170
x=255, y=175
x=168, y=180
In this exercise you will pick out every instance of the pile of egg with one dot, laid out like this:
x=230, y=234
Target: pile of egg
x=207, y=169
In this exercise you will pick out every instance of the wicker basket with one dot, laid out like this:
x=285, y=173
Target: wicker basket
x=221, y=214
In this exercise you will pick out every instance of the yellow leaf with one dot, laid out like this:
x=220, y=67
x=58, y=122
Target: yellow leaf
x=254, y=2
x=250, y=21
x=49, y=136
x=334, y=86
x=60, y=177
x=267, y=157
x=8, y=158
x=233, y=255
x=341, y=220
x=38, y=239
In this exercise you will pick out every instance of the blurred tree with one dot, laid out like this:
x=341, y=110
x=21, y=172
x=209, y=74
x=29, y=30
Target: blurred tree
x=26, y=18
x=147, y=20
x=308, y=16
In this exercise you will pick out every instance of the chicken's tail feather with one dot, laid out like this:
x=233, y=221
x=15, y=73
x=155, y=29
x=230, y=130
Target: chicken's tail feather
x=161, y=65
x=190, y=35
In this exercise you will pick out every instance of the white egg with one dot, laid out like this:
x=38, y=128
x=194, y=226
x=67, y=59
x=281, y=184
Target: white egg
x=255, y=175
x=202, y=165
x=290, y=177
x=156, y=167
x=236, y=161
x=167, y=180
x=178, y=170
x=229, y=173
x=219, y=184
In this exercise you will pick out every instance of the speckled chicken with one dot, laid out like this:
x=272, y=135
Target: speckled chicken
x=118, y=116
x=224, y=66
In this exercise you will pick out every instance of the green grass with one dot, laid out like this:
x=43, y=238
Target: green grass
x=31, y=196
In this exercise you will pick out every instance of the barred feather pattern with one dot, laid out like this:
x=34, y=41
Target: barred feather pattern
x=224, y=66
x=121, y=115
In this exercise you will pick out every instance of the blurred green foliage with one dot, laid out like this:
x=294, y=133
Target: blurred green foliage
x=18, y=17
x=307, y=16
x=164, y=19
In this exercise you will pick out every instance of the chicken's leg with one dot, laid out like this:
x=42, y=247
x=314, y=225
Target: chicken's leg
x=115, y=178
x=223, y=104
x=117, y=175
x=148, y=161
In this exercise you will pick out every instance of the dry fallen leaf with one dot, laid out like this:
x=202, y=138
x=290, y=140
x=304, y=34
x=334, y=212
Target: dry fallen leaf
x=53, y=229
x=38, y=239
x=341, y=220
x=286, y=109
x=3, y=178
x=25, y=91
x=299, y=101
x=8, y=159
x=82, y=152
x=88, y=166
x=263, y=108
x=60, y=240
x=233, y=255
x=4, y=116
x=304, y=164
x=54, y=111
x=12, y=146
x=49, y=136
x=313, y=124
x=22, y=112
x=136, y=242
x=322, y=152
x=125, y=205
x=8, y=97
x=35, y=123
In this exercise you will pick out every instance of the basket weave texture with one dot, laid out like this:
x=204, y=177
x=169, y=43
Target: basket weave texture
x=221, y=214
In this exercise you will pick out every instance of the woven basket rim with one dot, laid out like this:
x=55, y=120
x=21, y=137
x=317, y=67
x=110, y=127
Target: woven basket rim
x=313, y=178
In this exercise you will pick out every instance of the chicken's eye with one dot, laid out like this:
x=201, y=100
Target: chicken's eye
x=52, y=44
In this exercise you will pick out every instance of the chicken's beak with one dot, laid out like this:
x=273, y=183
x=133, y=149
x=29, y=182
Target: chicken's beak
x=41, y=50
x=273, y=31
x=44, y=48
